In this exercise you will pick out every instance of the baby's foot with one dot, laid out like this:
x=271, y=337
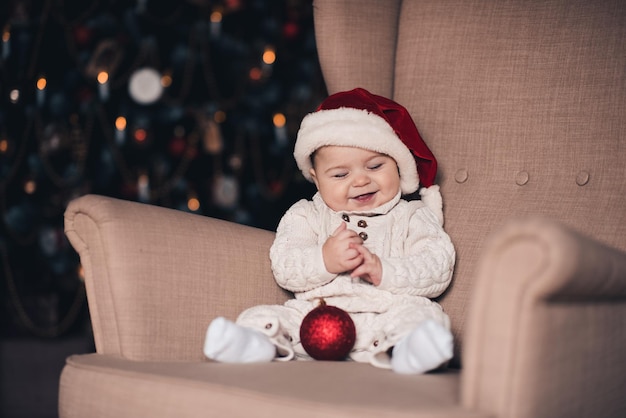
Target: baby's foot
x=427, y=347
x=228, y=342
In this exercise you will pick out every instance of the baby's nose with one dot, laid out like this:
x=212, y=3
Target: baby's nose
x=361, y=179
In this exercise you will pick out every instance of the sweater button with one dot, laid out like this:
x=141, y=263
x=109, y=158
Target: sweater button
x=345, y=217
x=363, y=236
x=362, y=224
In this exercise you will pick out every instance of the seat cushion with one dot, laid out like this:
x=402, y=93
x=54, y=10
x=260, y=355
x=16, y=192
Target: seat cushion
x=97, y=385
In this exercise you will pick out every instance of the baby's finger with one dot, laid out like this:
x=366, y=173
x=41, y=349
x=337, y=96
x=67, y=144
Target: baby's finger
x=360, y=248
x=361, y=271
x=352, y=263
x=352, y=253
x=354, y=241
x=342, y=226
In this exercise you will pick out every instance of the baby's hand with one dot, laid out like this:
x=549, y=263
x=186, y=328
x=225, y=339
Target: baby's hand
x=371, y=269
x=338, y=251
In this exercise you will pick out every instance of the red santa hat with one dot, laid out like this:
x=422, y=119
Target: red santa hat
x=358, y=118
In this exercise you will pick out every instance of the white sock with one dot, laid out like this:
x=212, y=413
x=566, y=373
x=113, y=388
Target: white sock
x=427, y=347
x=228, y=342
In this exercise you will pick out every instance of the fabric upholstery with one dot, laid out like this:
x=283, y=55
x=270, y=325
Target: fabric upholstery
x=548, y=314
x=522, y=102
x=153, y=293
x=191, y=389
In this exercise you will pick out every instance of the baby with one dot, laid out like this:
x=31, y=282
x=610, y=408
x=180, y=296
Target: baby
x=357, y=244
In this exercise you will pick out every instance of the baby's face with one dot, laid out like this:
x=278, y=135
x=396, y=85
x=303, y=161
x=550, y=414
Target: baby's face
x=354, y=179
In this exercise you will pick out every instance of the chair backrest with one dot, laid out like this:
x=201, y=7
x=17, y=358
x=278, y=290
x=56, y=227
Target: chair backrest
x=523, y=102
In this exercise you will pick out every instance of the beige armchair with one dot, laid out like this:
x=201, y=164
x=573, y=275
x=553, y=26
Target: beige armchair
x=524, y=104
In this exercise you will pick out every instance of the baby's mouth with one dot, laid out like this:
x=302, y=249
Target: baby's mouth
x=366, y=197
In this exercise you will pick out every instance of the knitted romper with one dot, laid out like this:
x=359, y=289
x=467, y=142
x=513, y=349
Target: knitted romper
x=417, y=256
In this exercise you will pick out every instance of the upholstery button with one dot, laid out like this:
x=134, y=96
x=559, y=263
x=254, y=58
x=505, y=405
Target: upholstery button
x=522, y=178
x=362, y=224
x=461, y=176
x=582, y=178
x=375, y=343
x=345, y=217
x=363, y=236
x=268, y=326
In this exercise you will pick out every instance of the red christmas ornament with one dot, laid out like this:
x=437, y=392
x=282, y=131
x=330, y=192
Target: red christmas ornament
x=327, y=333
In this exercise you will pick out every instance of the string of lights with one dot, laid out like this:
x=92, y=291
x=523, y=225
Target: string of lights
x=191, y=105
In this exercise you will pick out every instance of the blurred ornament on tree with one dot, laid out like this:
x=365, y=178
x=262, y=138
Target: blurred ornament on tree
x=225, y=191
x=145, y=86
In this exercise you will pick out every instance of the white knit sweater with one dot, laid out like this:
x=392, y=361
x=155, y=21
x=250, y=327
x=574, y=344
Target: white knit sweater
x=417, y=255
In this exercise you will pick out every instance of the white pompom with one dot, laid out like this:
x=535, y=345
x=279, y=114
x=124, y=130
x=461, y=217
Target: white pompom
x=431, y=197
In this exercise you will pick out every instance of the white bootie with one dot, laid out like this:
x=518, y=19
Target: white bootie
x=427, y=347
x=228, y=342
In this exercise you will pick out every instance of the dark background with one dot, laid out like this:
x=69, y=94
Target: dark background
x=210, y=143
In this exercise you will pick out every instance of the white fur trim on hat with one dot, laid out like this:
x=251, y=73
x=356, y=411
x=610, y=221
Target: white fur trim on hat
x=358, y=128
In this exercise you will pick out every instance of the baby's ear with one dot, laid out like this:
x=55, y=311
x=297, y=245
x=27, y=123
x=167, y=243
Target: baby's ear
x=313, y=176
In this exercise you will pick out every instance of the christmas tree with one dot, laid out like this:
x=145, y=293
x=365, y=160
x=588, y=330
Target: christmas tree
x=192, y=105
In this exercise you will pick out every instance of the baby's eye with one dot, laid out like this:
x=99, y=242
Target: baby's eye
x=339, y=175
x=375, y=166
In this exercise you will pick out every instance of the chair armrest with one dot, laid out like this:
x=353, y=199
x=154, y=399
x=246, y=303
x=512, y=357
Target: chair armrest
x=156, y=277
x=547, y=325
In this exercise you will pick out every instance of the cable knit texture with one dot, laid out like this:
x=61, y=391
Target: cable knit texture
x=416, y=253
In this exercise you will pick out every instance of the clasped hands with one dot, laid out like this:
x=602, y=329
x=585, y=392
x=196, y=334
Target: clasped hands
x=344, y=252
